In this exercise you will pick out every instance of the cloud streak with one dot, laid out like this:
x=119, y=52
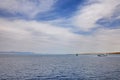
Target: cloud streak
x=87, y=17
x=21, y=35
x=33, y=34
x=93, y=27
x=29, y=8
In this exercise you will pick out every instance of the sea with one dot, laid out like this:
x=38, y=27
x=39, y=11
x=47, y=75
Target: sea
x=59, y=67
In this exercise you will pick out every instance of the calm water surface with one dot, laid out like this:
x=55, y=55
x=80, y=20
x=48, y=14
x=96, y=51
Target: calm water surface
x=59, y=67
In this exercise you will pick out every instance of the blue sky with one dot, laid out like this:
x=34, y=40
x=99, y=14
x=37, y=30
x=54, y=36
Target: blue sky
x=60, y=26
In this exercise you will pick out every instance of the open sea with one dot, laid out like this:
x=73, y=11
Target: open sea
x=59, y=67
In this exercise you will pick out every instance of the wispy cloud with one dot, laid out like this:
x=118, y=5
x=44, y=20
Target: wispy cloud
x=29, y=8
x=52, y=26
x=21, y=35
x=32, y=34
x=87, y=17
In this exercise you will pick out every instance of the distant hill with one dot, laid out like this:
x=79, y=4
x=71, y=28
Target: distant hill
x=99, y=53
x=20, y=53
x=114, y=53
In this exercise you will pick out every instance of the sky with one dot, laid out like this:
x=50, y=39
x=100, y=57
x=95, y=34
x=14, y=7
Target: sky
x=60, y=26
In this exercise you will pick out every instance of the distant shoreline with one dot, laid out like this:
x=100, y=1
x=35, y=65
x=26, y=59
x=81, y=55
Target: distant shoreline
x=32, y=53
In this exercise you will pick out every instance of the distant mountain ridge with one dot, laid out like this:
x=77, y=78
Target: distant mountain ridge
x=13, y=52
x=114, y=53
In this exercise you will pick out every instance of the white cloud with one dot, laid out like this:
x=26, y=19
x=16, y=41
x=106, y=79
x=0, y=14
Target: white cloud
x=103, y=40
x=108, y=39
x=33, y=36
x=86, y=18
x=21, y=35
x=44, y=37
x=27, y=7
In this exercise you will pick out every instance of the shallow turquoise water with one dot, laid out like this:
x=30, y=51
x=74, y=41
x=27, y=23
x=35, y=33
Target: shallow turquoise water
x=59, y=67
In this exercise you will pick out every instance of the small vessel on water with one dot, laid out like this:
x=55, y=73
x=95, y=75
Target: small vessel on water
x=102, y=55
x=76, y=54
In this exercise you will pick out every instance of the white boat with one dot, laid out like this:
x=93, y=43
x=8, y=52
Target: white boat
x=102, y=55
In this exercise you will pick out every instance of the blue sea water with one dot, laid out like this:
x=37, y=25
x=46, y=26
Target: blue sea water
x=59, y=67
